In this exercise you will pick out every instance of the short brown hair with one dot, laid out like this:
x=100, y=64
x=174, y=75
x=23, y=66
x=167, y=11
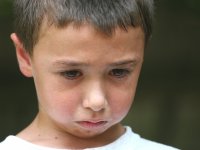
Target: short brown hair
x=104, y=15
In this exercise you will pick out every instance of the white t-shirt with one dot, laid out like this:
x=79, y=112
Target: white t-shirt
x=128, y=141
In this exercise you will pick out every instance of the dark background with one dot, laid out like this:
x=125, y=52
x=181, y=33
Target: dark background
x=166, y=107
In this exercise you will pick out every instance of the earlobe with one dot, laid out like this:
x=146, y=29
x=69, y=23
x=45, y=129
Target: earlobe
x=23, y=57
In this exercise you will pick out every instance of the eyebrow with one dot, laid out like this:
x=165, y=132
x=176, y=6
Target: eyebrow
x=124, y=62
x=69, y=63
x=75, y=63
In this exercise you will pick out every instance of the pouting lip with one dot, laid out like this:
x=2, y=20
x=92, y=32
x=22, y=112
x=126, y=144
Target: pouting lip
x=92, y=123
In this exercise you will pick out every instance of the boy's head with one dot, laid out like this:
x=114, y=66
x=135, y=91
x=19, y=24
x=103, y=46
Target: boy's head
x=104, y=15
x=85, y=57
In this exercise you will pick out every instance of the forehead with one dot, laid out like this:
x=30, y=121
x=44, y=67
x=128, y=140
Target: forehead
x=86, y=33
x=87, y=45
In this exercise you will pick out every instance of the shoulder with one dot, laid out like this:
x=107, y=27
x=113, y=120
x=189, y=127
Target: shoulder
x=136, y=142
x=144, y=144
x=8, y=144
x=5, y=145
x=12, y=143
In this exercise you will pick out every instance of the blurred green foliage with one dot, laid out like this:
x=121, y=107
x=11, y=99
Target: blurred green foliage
x=5, y=8
x=193, y=5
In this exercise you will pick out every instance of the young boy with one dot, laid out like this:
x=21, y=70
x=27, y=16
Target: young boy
x=85, y=58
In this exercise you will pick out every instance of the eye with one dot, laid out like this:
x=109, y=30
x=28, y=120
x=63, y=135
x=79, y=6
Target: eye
x=119, y=73
x=71, y=74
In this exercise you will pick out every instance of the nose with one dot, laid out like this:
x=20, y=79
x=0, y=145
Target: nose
x=95, y=98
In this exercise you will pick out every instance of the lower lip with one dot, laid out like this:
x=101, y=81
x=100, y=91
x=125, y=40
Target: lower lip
x=91, y=125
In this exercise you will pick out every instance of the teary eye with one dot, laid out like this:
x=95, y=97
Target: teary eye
x=119, y=73
x=71, y=74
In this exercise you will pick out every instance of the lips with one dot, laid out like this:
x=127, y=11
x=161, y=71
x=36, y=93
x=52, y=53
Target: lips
x=92, y=124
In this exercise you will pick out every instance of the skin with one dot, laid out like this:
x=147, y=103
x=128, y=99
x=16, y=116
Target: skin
x=85, y=82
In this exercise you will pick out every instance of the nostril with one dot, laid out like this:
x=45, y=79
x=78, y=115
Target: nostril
x=98, y=107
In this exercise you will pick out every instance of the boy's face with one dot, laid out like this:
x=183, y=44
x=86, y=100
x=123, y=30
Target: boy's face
x=85, y=81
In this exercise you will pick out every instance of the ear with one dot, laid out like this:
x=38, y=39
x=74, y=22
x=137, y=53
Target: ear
x=23, y=57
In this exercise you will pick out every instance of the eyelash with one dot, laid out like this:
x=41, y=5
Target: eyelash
x=71, y=74
x=75, y=74
x=119, y=73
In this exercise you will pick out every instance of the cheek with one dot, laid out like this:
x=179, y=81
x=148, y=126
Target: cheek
x=122, y=98
x=57, y=101
x=62, y=107
x=121, y=104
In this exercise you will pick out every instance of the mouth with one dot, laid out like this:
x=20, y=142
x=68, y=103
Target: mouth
x=92, y=124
